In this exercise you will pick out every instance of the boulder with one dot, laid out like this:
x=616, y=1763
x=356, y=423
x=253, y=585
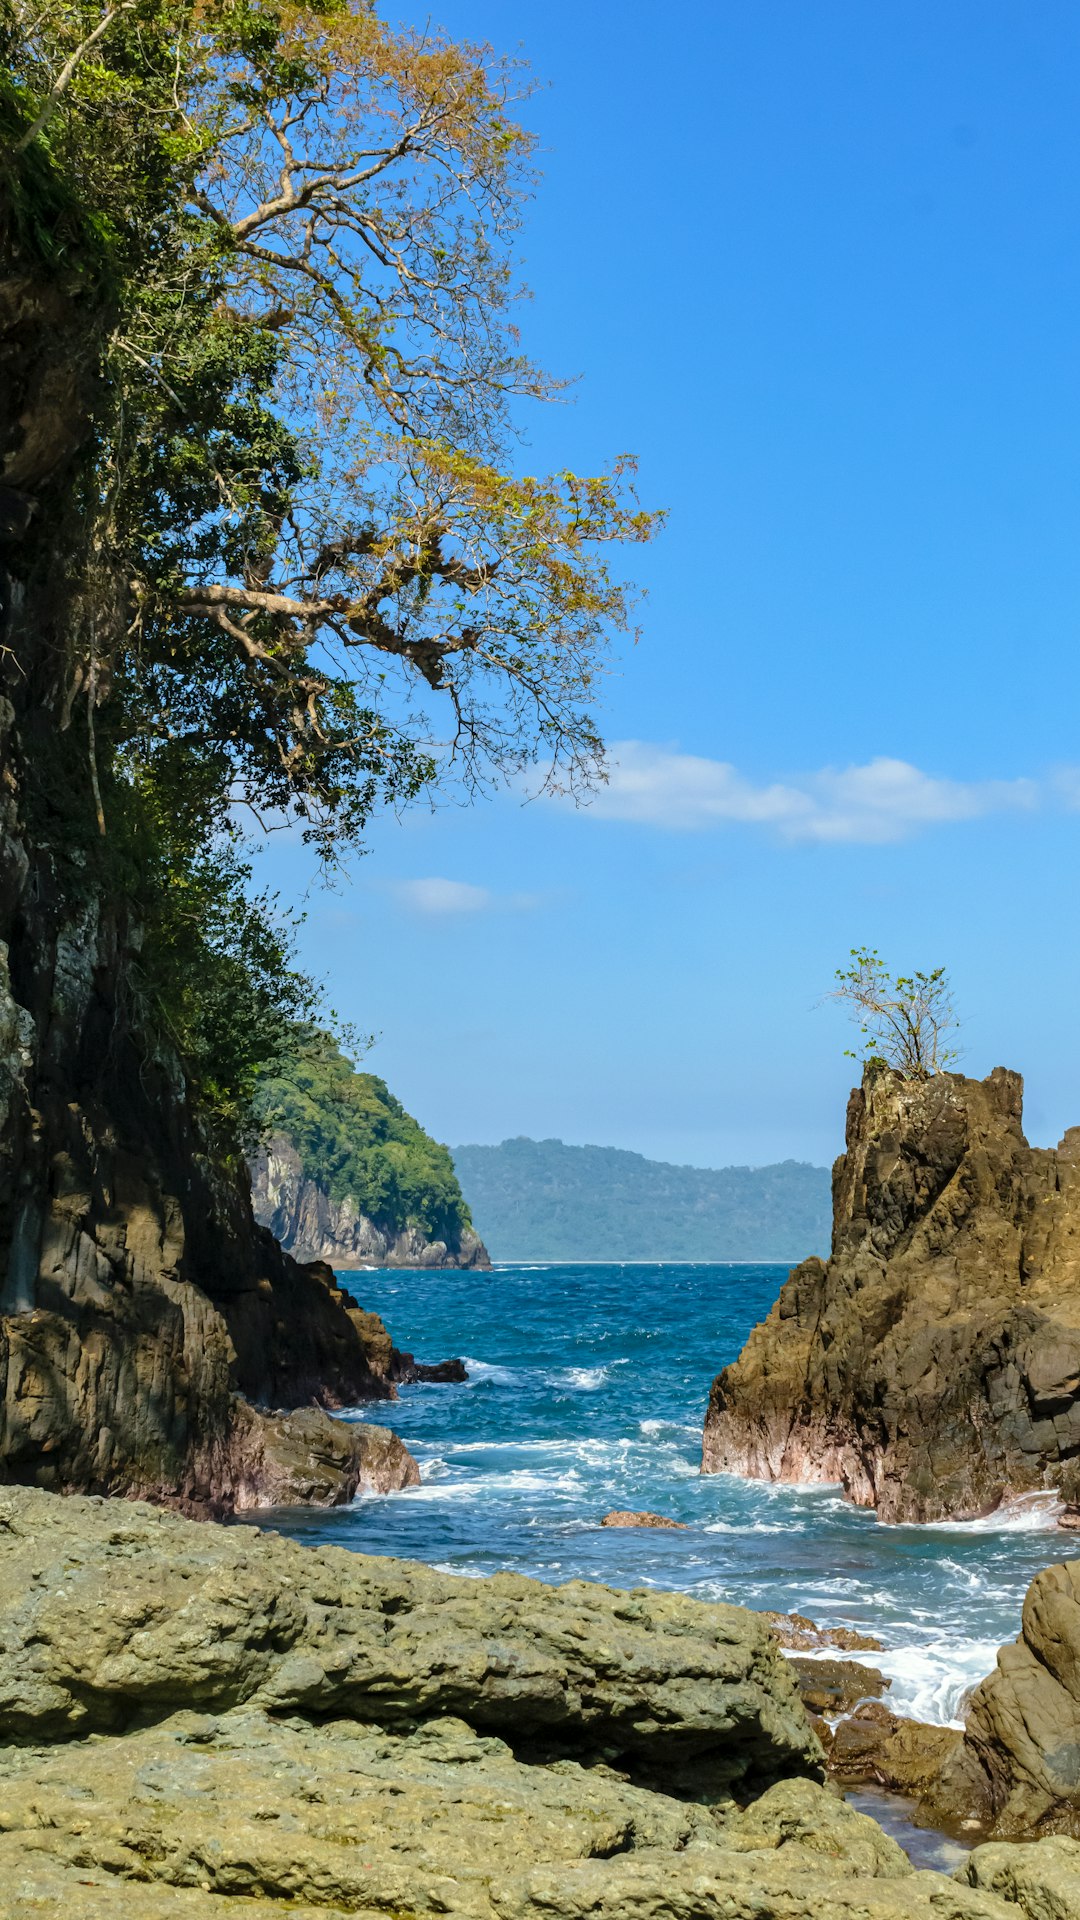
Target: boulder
x=833, y=1687
x=307, y=1459
x=931, y=1367
x=1018, y=1769
x=905, y=1756
x=800, y=1635
x=111, y=1610
x=1042, y=1878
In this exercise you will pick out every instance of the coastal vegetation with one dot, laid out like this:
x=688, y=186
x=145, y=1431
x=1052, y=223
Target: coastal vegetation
x=302, y=572
x=270, y=557
x=904, y=1022
x=356, y=1143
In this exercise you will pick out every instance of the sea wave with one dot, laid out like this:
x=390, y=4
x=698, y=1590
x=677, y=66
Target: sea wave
x=1027, y=1513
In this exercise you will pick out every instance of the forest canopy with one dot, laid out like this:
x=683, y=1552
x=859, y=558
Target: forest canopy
x=313, y=576
x=357, y=1142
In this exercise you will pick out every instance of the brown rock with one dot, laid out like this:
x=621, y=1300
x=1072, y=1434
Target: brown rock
x=795, y=1632
x=903, y=1755
x=1018, y=1769
x=308, y=1459
x=833, y=1687
x=932, y=1366
x=622, y=1517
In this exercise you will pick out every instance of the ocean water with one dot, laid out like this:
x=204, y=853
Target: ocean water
x=587, y=1391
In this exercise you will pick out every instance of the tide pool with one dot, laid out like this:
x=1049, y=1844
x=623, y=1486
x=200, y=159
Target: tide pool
x=587, y=1391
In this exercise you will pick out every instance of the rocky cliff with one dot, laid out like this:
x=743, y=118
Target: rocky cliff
x=201, y=1720
x=304, y=1216
x=142, y=1311
x=932, y=1365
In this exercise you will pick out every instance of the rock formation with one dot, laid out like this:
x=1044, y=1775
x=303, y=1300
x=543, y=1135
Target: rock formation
x=932, y=1365
x=313, y=1226
x=203, y=1721
x=1017, y=1770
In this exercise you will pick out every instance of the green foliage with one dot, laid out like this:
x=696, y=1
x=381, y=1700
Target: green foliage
x=542, y=1200
x=903, y=1022
x=310, y=579
x=358, y=1143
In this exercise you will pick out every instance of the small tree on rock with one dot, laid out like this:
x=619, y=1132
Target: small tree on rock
x=903, y=1021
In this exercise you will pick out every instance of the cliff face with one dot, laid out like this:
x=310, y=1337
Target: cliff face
x=932, y=1364
x=139, y=1301
x=313, y=1226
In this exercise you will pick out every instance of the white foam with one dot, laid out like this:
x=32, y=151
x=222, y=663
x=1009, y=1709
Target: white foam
x=1028, y=1513
x=929, y=1682
x=482, y=1370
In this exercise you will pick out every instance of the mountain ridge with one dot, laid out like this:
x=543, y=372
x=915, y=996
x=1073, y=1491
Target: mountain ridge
x=545, y=1199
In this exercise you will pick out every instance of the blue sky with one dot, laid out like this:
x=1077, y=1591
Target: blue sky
x=819, y=268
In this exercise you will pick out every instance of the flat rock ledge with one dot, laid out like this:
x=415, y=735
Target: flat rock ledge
x=202, y=1722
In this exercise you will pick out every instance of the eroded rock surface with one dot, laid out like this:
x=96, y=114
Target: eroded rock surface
x=204, y=1722
x=932, y=1365
x=1018, y=1769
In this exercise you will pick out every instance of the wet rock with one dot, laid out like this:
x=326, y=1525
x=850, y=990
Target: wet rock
x=932, y=1366
x=1018, y=1769
x=903, y=1755
x=306, y=1458
x=622, y=1517
x=795, y=1632
x=437, y=1373
x=832, y=1687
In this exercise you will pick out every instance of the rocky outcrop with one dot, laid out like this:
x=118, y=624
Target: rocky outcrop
x=623, y=1517
x=315, y=1733
x=313, y=1226
x=932, y=1365
x=307, y=1459
x=1018, y=1769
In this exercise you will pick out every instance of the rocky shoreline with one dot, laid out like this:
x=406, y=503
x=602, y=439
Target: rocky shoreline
x=200, y=1721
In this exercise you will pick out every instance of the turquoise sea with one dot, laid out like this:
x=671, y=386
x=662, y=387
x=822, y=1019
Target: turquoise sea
x=587, y=1391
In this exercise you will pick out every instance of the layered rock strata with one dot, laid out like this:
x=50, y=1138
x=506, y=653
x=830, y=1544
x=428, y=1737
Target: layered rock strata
x=313, y=1226
x=932, y=1365
x=204, y=1721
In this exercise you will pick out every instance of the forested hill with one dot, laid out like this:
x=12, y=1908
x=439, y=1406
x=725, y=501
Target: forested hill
x=542, y=1200
x=346, y=1175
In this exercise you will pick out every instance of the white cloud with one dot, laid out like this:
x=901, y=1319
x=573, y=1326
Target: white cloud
x=881, y=801
x=441, y=896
